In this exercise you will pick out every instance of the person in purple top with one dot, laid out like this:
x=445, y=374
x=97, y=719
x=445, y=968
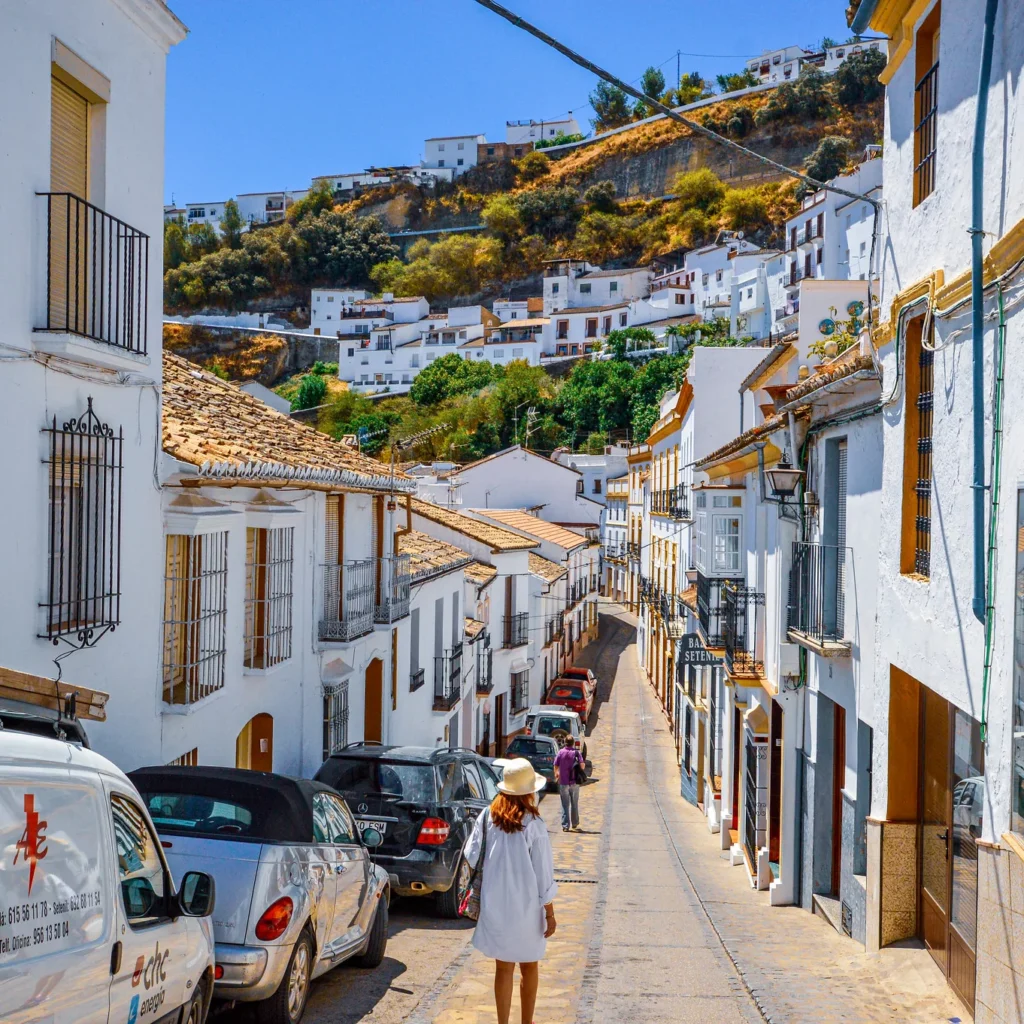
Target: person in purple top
x=566, y=761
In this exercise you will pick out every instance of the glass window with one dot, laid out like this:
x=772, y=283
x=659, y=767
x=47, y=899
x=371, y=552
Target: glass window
x=321, y=826
x=334, y=819
x=490, y=781
x=191, y=812
x=140, y=868
x=449, y=777
x=726, y=543
x=474, y=786
x=356, y=778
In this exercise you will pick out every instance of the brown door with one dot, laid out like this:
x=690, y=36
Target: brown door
x=775, y=785
x=373, y=726
x=838, y=780
x=934, y=827
x=499, y=725
x=254, y=747
x=700, y=761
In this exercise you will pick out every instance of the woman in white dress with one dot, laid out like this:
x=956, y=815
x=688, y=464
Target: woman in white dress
x=516, y=913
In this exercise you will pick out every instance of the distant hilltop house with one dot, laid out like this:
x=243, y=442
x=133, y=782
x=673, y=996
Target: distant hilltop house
x=518, y=132
x=785, y=64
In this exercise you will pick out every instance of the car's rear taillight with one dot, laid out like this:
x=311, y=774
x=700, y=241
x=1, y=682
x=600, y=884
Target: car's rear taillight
x=275, y=919
x=433, y=832
x=218, y=972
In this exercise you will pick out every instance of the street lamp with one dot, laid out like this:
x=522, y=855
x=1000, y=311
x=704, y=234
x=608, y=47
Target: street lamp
x=784, y=478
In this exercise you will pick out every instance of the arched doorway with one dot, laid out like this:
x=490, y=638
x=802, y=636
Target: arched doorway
x=373, y=724
x=254, y=748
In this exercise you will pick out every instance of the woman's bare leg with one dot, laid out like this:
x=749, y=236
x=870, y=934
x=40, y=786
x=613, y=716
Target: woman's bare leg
x=504, y=978
x=528, y=990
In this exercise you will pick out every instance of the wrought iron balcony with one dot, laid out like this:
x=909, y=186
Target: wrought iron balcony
x=448, y=679
x=632, y=551
x=519, y=687
x=516, y=631
x=349, y=600
x=710, y=608
x=679, y=502
x=817, y=598
x=393, y=590
x=742, y=627
x=97, y=274
x=484, y=670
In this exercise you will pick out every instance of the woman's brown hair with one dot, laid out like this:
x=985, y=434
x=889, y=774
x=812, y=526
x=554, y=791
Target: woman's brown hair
x=507, y=812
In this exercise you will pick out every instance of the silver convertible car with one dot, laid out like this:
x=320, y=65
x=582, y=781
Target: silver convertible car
x=297, y=890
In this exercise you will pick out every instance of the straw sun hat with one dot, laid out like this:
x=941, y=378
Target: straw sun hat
x=519, y=778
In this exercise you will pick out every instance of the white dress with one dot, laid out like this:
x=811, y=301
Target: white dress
x=519, y=878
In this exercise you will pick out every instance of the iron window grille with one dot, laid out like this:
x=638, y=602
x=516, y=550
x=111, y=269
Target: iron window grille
x=687, y=730
x=923, y=487
x=268, y=596
x=447, y=680
x=817, y=600
x=416, y=680
x=520, y=686
x=926, y=104
x=750, y=836
x=195, y=616
x=97, y=274
x=742, y=615
x=484, y=670
x=84, y=565
x=349, y=600
x=714, y=769
x=678, y=505
x=516, y=631
x=187, y=760
x=335, y=719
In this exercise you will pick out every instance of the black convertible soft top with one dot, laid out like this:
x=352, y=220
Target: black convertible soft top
x=281, y=806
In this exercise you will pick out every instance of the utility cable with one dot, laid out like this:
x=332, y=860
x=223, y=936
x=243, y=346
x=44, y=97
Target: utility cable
x=661, y=108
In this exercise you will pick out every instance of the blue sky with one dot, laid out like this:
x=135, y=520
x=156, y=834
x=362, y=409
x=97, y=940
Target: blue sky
x=264, y=94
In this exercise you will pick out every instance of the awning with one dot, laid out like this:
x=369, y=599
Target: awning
x=518, y=665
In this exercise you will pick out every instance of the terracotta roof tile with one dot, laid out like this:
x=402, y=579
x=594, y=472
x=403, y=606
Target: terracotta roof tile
x=231, y=435
x=429, y=556
x=480, y=573
x=534, y=526
x=545, y=568
x=493, y=536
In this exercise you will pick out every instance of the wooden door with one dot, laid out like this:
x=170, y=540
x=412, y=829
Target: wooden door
x=933, y=827
x=373, y=725
x=775, y=785
x=254, y=746
x=737, y=732
x=499, y=725
x=838, y=780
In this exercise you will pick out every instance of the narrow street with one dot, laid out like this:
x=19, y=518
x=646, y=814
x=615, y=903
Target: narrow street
x=653, y=923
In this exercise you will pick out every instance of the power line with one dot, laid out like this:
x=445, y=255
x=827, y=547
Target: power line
x=694, y=126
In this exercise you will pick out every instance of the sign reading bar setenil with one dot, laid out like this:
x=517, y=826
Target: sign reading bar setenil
x=693, y=652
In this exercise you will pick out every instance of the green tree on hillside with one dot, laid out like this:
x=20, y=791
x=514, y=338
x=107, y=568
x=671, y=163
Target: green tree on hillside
x=232, y=225
x=317, y=200
x=176, y=247
x=653, y=83
x=692, y=87
x=611, y=107
x=449, y=376
x=551, y=211
x=856, y=79
x=311, y=393
x=737, y=80
x=828, y=159
x=532, y=167
x=601, y=196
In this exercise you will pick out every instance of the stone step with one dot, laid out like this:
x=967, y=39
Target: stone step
x=830, y=908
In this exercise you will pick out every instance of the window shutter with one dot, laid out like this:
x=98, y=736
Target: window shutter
x=414, y=641
x=334, y=529
x=69, y=141
x=841, y=540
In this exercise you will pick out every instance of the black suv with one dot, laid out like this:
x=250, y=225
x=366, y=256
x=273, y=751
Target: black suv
x=423, y=801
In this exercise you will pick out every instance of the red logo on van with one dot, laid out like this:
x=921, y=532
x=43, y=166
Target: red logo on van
x=32, y=845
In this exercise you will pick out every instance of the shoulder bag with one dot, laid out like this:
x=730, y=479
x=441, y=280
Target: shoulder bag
x=579, y=771
x=469, y=901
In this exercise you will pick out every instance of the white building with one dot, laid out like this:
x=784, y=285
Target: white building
x=518, y=309
x=456, y=153
x=205, y=213
x=614, y=536
x=954, y=692
x=80, y=580
x=283, y=586
x=519, y=478
x=781, y=65
x=596, y=470
x=517, y=132
x=572, y=283
x=342, y=312
x=267, y=207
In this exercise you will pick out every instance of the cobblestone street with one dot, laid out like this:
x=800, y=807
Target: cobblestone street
x=653, y=923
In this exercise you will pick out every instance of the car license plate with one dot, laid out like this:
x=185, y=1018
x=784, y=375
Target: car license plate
x=365, y=823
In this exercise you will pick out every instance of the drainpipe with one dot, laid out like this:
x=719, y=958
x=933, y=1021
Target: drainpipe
x=978, y=305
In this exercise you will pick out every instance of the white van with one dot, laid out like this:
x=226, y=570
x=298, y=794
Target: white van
x=91, y=927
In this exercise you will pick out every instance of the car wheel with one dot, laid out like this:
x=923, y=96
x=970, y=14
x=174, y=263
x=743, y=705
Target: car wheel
x=378, y=941
x=288, y=1003
x=448, y=902
x=197, y=1008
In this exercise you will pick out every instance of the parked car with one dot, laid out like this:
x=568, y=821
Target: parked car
x=556, y=721
x=423, y=801
x=584, y=675
x=540, y=751
x=298, y=892
x=92, y=927
x=573, y=693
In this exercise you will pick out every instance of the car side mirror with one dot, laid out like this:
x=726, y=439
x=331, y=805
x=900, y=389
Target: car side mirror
x=372, y=838
x=197, y=894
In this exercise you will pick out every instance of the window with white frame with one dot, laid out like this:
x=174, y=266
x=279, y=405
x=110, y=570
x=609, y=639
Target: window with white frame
x=268, y=596
x=195, y=616
x=726, y=543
